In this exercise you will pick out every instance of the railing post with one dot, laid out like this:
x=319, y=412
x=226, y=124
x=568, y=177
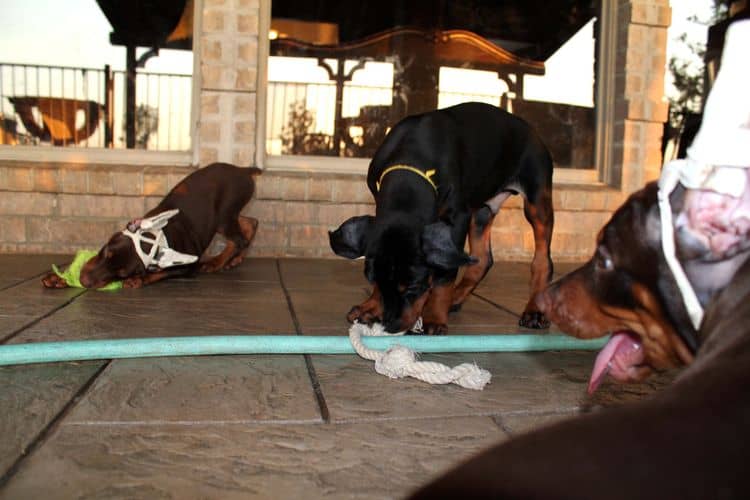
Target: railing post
x=109, y=98
x=130, y=97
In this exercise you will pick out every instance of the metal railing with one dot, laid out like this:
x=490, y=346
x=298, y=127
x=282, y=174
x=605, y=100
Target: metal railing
x=85, y=107
x=301, y=116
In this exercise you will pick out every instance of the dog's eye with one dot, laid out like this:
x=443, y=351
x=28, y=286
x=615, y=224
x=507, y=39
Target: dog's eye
x=604, y=260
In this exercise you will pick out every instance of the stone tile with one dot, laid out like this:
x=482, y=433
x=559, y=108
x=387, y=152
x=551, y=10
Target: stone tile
x=476, y=317
x=105, y=315
x=515, y=424
x=221, y=287
x=32, y=290
x=206, y=389
x=338, y=288
x=255, y=269
x=544, y=382
x=375, y=460
x=28, y=301
x=480, y=317
x=31, y=396
x=323, y=312
x=612, y=393
x=609, y=394
x=7, y=283
x=12, y=324
x=507, y=283
x=19, y=266
x=317, y=274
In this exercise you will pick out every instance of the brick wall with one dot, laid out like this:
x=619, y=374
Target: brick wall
x=60, y=208
x=296, y=211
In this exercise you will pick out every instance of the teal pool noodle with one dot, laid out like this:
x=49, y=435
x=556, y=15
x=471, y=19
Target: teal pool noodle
x=79, y=350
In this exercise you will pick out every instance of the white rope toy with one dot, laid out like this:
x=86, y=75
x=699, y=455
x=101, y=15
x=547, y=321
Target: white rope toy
x=399, y=361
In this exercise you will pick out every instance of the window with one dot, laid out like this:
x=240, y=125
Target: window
x=340, y=75
x=96, y=74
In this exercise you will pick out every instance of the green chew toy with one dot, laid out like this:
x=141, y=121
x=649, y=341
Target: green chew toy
x=72, y=274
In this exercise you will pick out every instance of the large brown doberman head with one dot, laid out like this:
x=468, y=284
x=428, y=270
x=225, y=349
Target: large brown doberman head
x=627, y=289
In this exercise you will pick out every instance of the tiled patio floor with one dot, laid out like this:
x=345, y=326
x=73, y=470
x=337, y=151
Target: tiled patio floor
x=256, y=426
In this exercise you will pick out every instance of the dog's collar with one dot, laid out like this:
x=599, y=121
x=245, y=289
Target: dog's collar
x=150, y=230
x=426, y=175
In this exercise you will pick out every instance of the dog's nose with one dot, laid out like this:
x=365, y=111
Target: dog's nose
x=393, y=326
x=85, y=280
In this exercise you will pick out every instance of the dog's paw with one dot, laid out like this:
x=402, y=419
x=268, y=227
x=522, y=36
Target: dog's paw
x=52, y=280
x=210, y=266
x=234, y=262
x=435, y=328
x=533, y=319
x=133, y=282
x=366, y=316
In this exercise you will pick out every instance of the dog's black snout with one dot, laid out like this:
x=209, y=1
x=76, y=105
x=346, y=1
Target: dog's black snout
x=392, y=326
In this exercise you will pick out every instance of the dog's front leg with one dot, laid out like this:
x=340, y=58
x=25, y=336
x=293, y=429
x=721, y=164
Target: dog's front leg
x=435, y=312
x=539, y=213
x=149, y=278
x=369, y=311
x=435, y=315
x=480, y=245
x=52, y=280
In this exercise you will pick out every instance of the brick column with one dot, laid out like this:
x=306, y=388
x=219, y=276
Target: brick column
x=640, y=108
x=228, y=52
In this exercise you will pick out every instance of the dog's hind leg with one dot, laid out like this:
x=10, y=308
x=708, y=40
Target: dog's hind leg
x=480, y=246
x=248, y=228
x=219, y=261
x=238, y=235
x=539, y=213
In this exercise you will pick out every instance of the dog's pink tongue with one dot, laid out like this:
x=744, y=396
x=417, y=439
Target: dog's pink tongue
x=620, y=348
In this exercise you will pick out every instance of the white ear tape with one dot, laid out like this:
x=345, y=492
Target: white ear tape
x=159, y=256
x=719, y=155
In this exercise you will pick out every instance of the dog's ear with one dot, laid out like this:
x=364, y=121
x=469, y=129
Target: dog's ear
x=439, y=249
x=370, y=270
x=350, y=239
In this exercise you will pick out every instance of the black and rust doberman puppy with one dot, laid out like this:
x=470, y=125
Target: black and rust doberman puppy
x=437, y=178
x=690, y=440
x=208, y=201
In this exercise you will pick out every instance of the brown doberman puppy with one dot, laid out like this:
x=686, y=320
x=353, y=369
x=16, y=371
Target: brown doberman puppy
x=206, y=202
x=438, y=179
x=689, y=441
